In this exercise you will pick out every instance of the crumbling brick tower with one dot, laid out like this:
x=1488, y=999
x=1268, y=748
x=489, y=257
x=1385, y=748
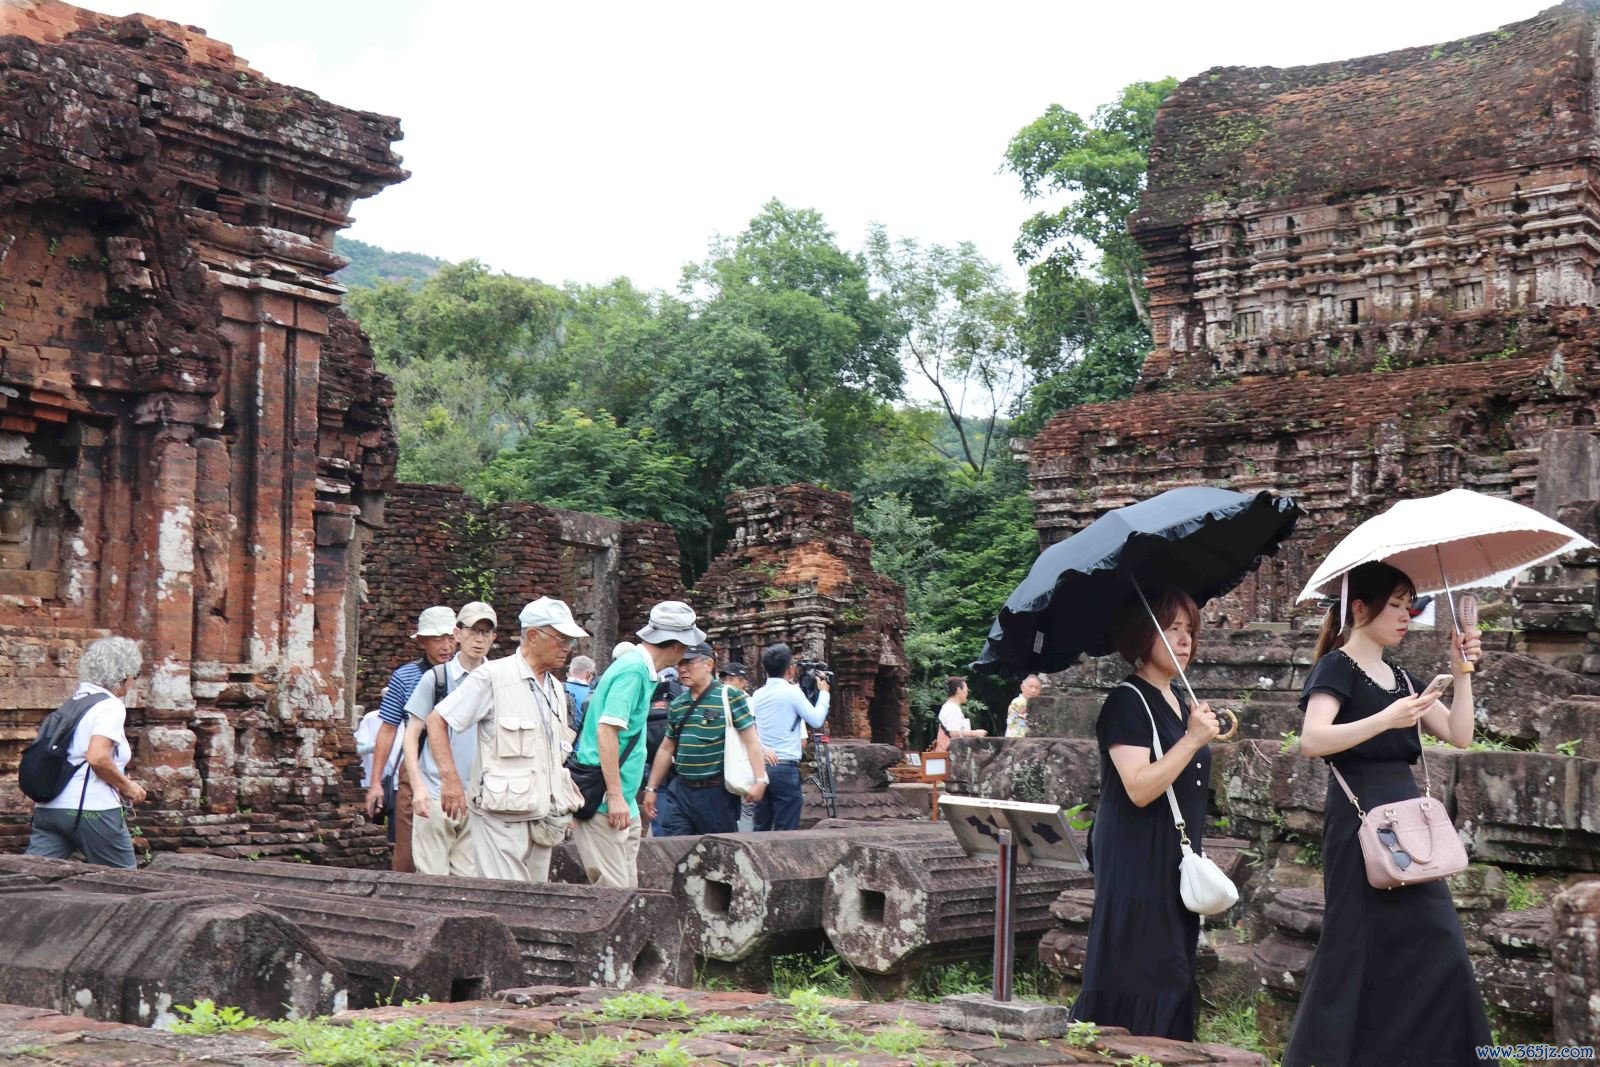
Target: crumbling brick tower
x=1369, y=280
x=190, y=430
x=796, y=571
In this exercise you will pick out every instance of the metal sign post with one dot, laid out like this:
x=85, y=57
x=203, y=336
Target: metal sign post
x=1015, y=834
x=1005, y=925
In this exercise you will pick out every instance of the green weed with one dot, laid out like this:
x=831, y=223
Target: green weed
x=670, y=1054
x=1521, y=892
x=1231, y=1023
x=558, y=1051
x=729, y=1024
x=634, y=1006
x=821, y=972
x=1082, y=1034
x=205, y=1018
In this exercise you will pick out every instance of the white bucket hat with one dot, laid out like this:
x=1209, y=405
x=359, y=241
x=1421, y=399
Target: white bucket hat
x=672, y=620
x=547, y=611
x=437, y=621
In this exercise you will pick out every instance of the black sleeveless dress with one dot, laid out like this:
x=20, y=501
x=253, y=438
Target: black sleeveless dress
x=1390, y=984
x=1139, y=971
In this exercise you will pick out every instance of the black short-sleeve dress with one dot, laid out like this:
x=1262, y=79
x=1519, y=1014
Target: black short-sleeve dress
x=1390, y=984
x=1139, y=971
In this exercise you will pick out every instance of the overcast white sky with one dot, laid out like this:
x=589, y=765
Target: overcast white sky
x=585, y=140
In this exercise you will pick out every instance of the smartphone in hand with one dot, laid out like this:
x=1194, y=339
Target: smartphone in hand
x=1437, y=687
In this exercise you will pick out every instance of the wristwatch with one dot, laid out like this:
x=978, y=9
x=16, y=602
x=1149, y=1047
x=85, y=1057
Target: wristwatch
x=761, y=781
x=649, y=789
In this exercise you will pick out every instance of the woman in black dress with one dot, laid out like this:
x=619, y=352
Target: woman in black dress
x=1390, y=984
x=1139, y=971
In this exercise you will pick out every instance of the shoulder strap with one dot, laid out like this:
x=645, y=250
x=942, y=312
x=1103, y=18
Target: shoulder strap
x=67, y=723
x=1155, y=741
x=441, y=683
x=1427, y=779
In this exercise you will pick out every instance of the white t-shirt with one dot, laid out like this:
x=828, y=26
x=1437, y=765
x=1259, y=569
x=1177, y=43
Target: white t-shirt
x=367, y=741
x=952, y=718
x=105, y=719
x=463, y=743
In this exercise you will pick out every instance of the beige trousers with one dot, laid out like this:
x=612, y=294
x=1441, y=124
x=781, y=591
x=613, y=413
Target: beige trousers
x=440, y=844
x=506, y=850
x=610, y=857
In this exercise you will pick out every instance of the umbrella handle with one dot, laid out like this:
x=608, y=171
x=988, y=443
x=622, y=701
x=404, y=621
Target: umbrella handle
x=1232, y=718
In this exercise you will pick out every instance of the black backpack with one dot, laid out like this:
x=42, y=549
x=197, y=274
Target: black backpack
x=45, y=769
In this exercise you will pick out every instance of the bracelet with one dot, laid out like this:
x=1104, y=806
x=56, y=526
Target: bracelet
x=649, y=789
x=762, y=781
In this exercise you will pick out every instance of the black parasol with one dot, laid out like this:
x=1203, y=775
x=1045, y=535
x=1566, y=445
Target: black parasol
x=1202, y=540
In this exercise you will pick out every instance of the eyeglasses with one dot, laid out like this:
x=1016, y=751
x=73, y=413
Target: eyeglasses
x=559, y=639
x=1391, y=840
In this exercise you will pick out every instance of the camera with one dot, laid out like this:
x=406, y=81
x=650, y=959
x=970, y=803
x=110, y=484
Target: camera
x=810, y=671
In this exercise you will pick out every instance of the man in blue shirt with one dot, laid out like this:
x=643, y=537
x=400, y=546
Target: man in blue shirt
x=436, y=640
x=782, y=711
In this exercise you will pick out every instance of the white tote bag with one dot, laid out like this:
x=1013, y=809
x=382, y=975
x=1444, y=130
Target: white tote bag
x=737, y=777
x=1201, y=883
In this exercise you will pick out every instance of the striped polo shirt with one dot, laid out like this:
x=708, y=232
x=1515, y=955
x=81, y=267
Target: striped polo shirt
x=697, y=728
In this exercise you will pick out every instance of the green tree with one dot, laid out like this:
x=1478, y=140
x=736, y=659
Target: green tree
x=720, y=400
x=472, y=354
x=614, y=341
x=590, y=463
x=1087, y=322
x=834, y=342
x=961, y=330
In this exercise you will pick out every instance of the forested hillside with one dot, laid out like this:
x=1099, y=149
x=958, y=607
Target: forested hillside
x=896, y=370
x=370, y=264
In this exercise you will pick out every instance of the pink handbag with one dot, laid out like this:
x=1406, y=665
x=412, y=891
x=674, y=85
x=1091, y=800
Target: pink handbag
x=1407, y=842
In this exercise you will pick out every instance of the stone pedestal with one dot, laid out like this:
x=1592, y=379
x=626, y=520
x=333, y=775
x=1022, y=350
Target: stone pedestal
x=1021, y=1020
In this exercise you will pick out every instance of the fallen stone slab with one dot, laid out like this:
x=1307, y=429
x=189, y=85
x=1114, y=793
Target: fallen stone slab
x=658, y=862
x=892, y=905
x=1575, y=961
x=567, y=934
x=134, y=958
x=1516, y=976
x=1529, y=808
x=389, y=951
x=45, y=870
x=22, y=883
x=750, y=894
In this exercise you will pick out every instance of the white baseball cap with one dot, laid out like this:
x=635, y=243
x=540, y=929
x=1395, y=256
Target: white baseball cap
x=474, y=613
x=547, y=611
x=437, y=621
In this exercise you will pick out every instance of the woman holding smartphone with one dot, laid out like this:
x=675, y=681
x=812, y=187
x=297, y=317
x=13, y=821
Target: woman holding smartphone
x=1390, y=982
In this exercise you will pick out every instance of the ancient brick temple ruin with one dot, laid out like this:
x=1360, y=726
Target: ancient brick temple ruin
x=439, y=546
x=192, y=436
x=1368, y=279
x=795, y=570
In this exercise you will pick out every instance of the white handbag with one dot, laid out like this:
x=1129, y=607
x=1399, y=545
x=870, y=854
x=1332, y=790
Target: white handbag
x=1201, y=883
x=737, y=776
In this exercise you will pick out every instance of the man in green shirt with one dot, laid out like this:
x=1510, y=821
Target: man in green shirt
x=696, y=735
x=613, y=740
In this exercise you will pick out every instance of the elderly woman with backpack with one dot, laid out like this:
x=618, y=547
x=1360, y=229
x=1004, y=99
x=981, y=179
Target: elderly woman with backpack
x=75, y=770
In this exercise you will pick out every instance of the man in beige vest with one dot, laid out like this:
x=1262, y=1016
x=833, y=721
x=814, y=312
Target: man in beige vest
x=522, y=800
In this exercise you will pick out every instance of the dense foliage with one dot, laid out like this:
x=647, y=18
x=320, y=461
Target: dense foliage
x=899, y=373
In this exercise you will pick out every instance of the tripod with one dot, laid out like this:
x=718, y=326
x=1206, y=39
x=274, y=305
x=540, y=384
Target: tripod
x=822, y=773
